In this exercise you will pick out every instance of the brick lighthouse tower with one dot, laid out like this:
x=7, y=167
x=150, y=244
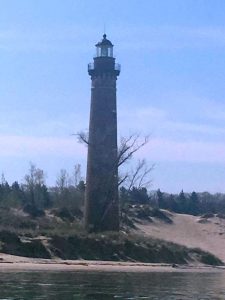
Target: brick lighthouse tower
x=101, y=199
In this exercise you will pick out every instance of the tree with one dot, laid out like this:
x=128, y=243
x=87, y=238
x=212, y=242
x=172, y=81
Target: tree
x=193, y=204
x=182, y=203
x=173, y=204
x=139, y=195
x=35, y=188
x=5, y=191
x=62, y=181
x=77, y=174
x=160, y=199
x=127, y=148
x=102, y=205
x=16, y=196
x=3, y=180
x=69, y=191
x=138, y=177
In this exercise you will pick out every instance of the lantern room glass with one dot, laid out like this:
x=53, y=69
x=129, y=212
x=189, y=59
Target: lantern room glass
x=104, y=51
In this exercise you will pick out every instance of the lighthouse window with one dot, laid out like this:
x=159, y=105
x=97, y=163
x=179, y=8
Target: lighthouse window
x=104, y=51
x=98, y=51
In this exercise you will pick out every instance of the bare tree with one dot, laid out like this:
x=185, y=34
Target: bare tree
x=140, y=176
x=82, y=137
x=77, y=174
x=35, y=178
x=3, y=180
x=62, y=180
x=129, y=146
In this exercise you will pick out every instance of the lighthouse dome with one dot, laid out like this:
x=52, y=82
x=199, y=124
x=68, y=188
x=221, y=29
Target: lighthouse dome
x=104, y=48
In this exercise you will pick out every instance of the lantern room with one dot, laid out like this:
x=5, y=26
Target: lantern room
x=104, y=48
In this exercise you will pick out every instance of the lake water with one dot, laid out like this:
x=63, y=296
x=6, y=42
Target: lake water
x=104, y=286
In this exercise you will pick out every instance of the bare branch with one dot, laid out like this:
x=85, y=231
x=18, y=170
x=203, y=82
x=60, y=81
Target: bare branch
x=123, y=179
x=140, y=177
x=82, y=137
x=144, y=180
x=129, y=146
x=136, y=174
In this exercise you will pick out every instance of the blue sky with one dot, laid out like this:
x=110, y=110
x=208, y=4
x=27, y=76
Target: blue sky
x=171, y=86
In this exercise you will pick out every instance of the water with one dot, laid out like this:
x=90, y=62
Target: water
x=105, y=286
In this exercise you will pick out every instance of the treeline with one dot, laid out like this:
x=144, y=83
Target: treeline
x=184, y=203
x=34, y=196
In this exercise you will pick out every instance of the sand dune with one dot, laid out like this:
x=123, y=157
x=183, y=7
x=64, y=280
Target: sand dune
x=191, y=231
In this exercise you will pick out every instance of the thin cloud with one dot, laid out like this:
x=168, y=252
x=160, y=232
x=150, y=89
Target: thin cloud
x=69, y=38
x=155, y=119
x=189, y=151
x=25, y=146
x=214, y=111
x=40, y=123
x=171, y=37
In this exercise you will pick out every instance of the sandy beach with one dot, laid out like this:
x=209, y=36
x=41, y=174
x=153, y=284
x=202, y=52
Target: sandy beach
x=191, y=231
x=16, y=263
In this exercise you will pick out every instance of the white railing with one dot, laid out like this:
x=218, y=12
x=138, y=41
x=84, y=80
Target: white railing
x=117, y=67
x=91, y=67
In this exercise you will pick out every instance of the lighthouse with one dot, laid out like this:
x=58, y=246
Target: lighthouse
x=101, y=195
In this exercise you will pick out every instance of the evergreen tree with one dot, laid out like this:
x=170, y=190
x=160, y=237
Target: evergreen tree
x=173, y=205
x=182, y=203
x=160, y=199
x=193, y=204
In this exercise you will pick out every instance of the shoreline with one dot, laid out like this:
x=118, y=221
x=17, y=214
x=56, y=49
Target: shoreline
x=9, y=263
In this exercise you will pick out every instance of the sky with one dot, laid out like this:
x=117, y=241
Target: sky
x=171, y=87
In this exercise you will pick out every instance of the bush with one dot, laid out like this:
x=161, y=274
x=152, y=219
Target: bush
x=33, y=211
x=210, y=259
x=207, y=216
x=64, y=214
